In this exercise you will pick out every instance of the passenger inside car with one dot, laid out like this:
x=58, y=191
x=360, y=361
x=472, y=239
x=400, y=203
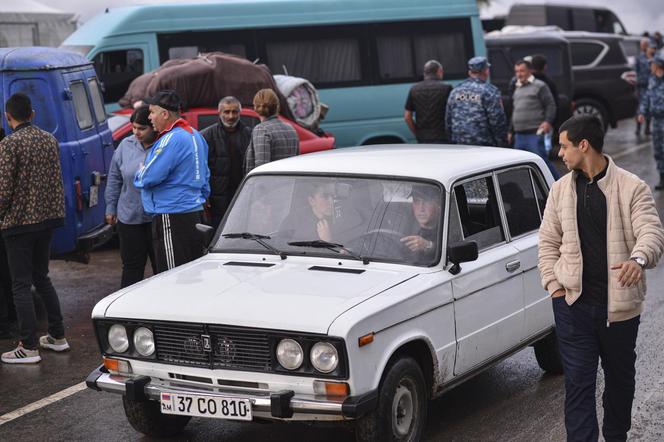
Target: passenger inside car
x=312, y=217
x=426, y=210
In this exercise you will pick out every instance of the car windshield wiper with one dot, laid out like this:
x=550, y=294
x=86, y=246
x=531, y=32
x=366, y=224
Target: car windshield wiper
x=260, y=239
x=320, y=244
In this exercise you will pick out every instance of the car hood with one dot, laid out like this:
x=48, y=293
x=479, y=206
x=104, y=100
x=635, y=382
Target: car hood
x=288, y=295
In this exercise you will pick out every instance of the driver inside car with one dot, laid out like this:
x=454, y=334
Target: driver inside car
x=314, y=222
x=426, y=210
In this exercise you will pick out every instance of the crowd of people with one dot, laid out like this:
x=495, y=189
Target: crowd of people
x=162, y=180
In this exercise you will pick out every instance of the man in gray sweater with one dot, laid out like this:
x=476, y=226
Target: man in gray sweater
x=534, y=111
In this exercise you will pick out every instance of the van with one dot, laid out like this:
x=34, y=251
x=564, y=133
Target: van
x=362, y=55
x=566, y=17
x=67, y=101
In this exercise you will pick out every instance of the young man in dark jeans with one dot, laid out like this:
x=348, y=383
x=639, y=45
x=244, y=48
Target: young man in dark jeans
x=31, y=207
x=600, y=231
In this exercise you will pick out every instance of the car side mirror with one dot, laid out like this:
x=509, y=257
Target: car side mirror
x=463, y=251
x=207, y=233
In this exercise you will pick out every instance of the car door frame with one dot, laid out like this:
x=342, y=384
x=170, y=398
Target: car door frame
x=486, y=327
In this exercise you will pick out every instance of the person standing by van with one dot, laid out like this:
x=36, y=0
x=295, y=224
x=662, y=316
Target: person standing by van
x=271, y=139
x=174, y=183
x=653, y=107
x=428, y=100
x=124, y=207
x=642, y=68
x=227, y=143
x=32, y=205
x=475, y=113
x=534, y=113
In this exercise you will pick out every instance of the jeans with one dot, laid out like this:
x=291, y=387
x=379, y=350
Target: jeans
x=28, y=255
x=583, y=338
x=135, y=249
x=7, y=311
x=535, y=143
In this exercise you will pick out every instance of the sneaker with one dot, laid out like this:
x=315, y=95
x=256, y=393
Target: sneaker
x=21, y=355
x=50, y=343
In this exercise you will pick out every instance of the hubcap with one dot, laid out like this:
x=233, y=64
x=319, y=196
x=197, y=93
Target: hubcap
x=403, y=408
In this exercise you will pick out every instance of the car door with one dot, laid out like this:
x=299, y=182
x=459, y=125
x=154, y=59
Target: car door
x=488, y=292
x=523, y=196
x=88, y=158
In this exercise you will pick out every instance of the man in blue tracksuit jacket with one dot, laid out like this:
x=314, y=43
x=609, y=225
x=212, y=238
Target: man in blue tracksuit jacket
x=174, y=183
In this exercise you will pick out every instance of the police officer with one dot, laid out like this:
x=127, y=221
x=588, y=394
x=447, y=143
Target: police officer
x=475, y=112
x=642, y=68
x=652, y=106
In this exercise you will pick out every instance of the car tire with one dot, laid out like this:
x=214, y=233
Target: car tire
x=401, y=413
x=589, y=106
x=146, y=418
x=548, y=355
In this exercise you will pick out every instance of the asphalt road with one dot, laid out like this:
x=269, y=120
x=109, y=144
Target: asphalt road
x=512, y=401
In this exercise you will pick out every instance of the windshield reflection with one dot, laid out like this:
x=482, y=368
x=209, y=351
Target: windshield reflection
x=373, y=218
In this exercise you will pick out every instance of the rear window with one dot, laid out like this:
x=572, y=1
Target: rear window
x=585, y=53
x=81, y=105
x=554, y=59
x=97, y=100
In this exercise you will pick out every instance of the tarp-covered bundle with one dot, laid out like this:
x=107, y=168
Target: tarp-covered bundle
x=302, y=99
x=204, y=80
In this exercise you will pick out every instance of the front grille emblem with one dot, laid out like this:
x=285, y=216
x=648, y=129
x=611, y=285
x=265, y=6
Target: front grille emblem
x=207, y=343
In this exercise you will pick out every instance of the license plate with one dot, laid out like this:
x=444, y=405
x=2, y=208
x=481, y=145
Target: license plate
x=94, y=195
x=218, y=407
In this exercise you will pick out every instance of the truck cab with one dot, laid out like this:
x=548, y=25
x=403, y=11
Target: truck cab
x=67, y=101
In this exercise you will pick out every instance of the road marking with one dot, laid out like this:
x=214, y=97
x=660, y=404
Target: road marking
x=634, y=149
x=6, y=418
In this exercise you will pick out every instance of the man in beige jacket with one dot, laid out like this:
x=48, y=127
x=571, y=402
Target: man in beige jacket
x=599, y=232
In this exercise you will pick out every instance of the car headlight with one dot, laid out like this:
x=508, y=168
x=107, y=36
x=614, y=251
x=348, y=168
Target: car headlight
x=324, y=357
x=144, y=341
x=117, y=338
x=290, y=354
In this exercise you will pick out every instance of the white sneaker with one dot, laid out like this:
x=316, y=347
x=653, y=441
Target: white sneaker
x=50, y=343
x=21, y=355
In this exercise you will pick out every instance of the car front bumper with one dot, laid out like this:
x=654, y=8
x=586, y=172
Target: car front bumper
x=282, y=404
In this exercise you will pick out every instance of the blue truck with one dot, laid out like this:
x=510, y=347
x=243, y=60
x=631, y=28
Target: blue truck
x=67, y=100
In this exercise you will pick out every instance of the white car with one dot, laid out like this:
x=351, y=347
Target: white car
x=333, y=291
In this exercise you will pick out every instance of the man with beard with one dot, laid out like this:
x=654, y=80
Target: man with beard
x=227, y=142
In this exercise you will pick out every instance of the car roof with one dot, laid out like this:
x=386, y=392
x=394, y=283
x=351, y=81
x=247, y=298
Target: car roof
x=442, y=163
x=534, y=37
x=39, y=58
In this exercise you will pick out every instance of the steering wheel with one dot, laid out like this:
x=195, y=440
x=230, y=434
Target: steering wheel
x=387, y=243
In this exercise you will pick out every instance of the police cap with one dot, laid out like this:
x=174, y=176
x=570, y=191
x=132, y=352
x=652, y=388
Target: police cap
x=477, y=64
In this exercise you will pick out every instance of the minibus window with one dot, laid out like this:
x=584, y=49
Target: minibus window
x=395, y=57
x=332, y=60
x=97, y=101
x=116, y=70
x=81, y=105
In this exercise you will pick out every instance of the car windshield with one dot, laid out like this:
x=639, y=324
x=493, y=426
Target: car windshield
x=363, y=218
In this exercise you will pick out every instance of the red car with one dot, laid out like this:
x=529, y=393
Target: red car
x=202, y=117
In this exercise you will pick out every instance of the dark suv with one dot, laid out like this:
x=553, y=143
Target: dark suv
x=505, y=49
x=603, y=78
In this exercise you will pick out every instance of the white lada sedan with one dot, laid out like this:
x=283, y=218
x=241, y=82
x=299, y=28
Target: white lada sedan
x=354, y=284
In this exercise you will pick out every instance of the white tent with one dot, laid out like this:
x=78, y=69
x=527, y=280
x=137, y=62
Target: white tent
x=30, y=23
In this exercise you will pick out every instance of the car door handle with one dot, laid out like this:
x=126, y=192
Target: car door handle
x=513, y=266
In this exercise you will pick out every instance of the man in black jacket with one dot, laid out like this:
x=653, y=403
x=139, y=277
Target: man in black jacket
x=227, y=142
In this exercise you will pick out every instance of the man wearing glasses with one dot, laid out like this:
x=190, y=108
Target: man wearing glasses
x=599, y=232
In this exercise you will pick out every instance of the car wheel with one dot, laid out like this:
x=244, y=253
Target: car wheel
x=588, y=106
x=548, y=354
x=146, y=418
x=401, y=413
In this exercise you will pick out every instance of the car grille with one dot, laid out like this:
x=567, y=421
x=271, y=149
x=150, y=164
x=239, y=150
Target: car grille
x=213, y=346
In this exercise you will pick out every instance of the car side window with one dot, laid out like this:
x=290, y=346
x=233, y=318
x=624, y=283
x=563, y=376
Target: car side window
x=479, y=213
x=519, y=200
x=455, y=232
x=81, y=105
x=97, y=100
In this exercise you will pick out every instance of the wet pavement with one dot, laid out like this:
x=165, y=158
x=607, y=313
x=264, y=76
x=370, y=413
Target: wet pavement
x=514, y=400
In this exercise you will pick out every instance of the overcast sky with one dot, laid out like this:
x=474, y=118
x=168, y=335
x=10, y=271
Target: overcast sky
x=636, y=15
